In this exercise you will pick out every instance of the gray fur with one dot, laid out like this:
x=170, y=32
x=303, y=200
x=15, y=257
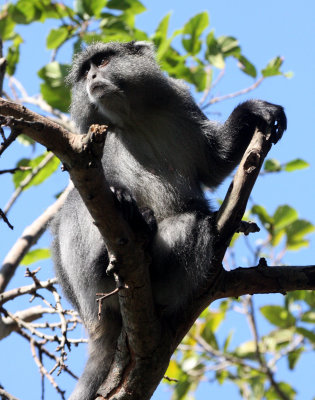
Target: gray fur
x=163, y=150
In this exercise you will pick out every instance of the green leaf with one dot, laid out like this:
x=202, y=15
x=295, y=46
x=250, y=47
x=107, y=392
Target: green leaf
x=214, y=52
x=263, y=216
x=287, y=389
x=25, y=140
x=278, y=339
x=228, y=45
x=54, y=90
x=54, y=10
x=273, y=67
x=295, y=165
x=246, y=66
x=278, y=316
x=25, y=12
x=162, y=29
x=308, y=316
x=227, y=341
x=296, y=234
x=56, y=37
x=284, y=216
x=221, y=376
x=35, y=255
x=132, y=6
x=272, y=165
x=307, y=334
x=293, y=357
x=6, y=27
x=246, y=350
x=192, y=31
x=276, y=236
x=13, y=56
x=42, y=175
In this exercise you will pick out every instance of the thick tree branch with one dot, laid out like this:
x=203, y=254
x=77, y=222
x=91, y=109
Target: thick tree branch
x=262, y=279
x=233, y=207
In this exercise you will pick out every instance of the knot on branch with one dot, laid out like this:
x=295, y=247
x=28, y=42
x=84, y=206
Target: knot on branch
x=252, y=161
x=89, y=146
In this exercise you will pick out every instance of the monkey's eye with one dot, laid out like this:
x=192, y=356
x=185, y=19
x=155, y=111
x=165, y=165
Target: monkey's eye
x=102, y=59
x=85, y=70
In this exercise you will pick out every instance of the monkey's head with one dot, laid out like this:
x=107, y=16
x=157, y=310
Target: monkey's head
x=113, y=81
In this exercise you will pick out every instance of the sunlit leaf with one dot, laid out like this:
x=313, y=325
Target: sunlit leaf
x=192, y=31
x=56, y=37
x=278, y=316
x=54, y=90
x=294, y=356
x=283, y=216
x=35, y=255
x=6, y=27
x=310, y=335
x=41, y=176
x=272, y=165
x=246, y=350
x=246, y=66
x=132, y=6
x=308, y=316
x=273, y=67
x=263, y=216
x=296, y=164
x=287, y=389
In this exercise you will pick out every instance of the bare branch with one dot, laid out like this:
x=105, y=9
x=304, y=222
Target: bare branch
x=44, y=372
x=5, y=219
x=3, y=65
x=7, y=396
x=235, y=94
x=30, y=289
x=29, y=237
x=9, y=325
x=13, y=170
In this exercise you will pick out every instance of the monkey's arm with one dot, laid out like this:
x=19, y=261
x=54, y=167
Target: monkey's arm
x=226, y=144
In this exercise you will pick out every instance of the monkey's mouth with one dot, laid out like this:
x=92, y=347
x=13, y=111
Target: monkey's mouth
x=97, y=86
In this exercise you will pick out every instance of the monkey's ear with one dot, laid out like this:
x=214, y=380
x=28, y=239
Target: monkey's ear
x=143, y=47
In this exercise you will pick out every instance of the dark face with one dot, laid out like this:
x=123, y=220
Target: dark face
x=115, y=79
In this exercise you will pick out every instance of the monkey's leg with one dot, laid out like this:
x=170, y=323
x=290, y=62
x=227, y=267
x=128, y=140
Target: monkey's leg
x=181, y=254
x=102, y=345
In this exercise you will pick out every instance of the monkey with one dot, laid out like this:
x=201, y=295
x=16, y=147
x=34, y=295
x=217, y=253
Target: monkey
x=160, y=152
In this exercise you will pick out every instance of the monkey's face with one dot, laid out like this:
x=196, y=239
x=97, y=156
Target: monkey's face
x=103, y=88
x=116, y=78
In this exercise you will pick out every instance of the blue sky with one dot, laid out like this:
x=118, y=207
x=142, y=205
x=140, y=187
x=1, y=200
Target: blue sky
x=264, y=30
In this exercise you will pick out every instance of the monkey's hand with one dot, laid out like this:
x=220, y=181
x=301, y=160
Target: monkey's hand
x=141, y=220
x=264, y=115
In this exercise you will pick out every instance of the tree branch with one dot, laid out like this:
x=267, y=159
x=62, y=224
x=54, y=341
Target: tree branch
x=29, y=237
x=262, y=279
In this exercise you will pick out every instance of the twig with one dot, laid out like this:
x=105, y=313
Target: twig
x=52, y=356
x=7, y=396
x=27, y=180
x=235, y=94
x=3, y=65
x=44, y=372
x=9, y=140
x=29, y=237
x=30, y=289
x=5, y=219
x=13, y=170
